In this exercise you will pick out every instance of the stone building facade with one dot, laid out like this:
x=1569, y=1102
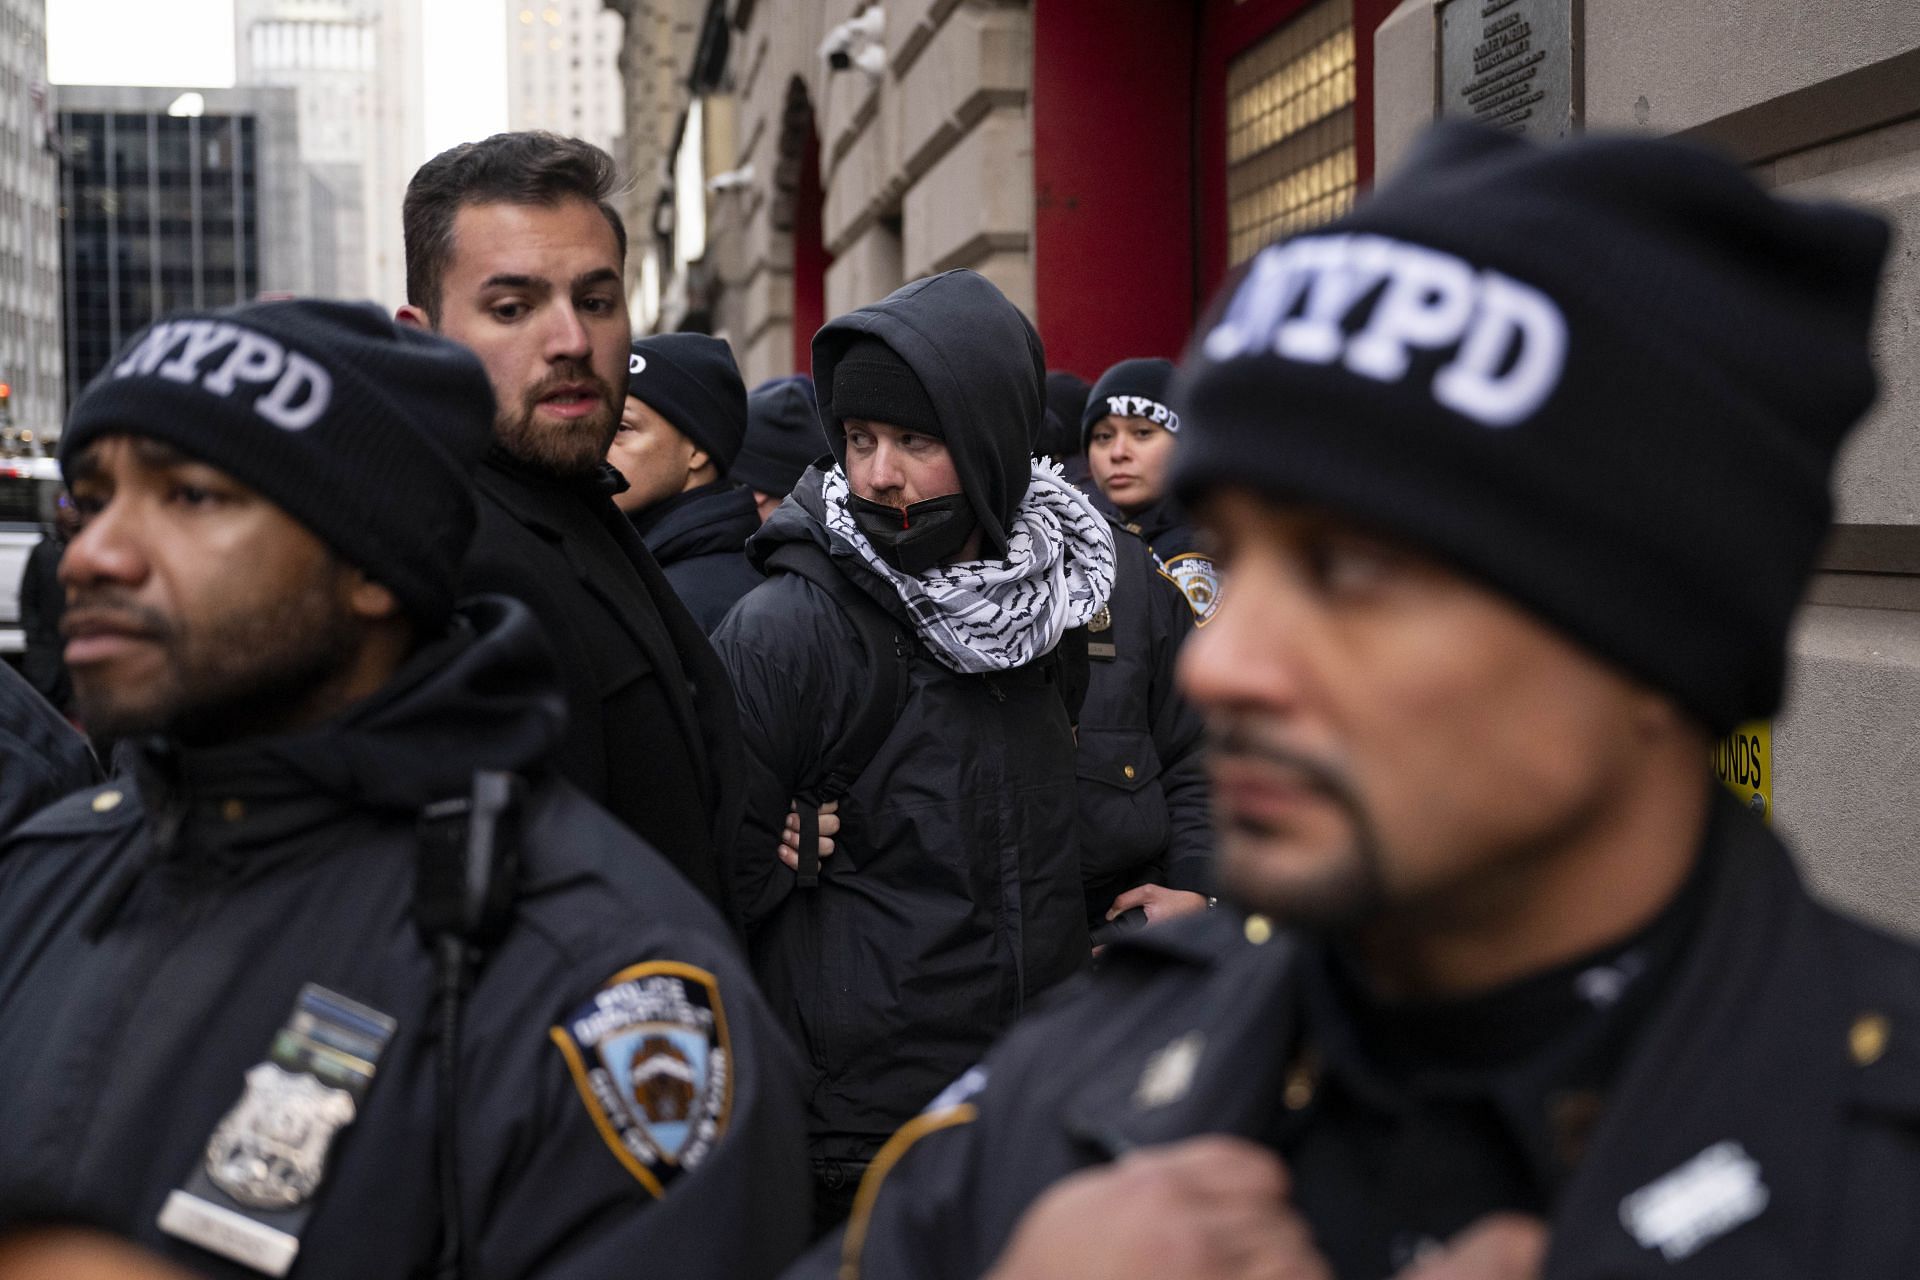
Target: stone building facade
x=848, y=146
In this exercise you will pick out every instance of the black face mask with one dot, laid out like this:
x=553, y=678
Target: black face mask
x=924, y=536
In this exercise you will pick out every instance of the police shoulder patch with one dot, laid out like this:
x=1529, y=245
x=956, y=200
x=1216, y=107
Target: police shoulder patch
x=1198, y=581
x=650, y=1056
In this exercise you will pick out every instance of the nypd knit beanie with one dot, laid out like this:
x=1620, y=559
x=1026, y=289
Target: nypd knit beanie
x=1131, y=389
x=691, y=380
x=1608, y=378
x=363, y=430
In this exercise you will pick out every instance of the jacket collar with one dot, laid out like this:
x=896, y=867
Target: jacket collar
x=713, y=518
x=1747, y=1063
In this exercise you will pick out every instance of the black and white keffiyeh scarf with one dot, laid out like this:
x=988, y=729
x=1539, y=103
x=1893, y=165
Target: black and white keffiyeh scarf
x=995, y=615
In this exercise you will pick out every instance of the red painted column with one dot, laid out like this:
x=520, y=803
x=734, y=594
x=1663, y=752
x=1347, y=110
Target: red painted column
x=1113, y=179
x=810, y=256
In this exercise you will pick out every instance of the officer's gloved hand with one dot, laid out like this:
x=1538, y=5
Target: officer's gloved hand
x=1501, y=1246
x=790, y=838
x=1212, y=1208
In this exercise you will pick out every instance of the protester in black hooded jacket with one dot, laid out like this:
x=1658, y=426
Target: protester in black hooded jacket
x=248, y=1010
x=953, y=895
x=685, y=416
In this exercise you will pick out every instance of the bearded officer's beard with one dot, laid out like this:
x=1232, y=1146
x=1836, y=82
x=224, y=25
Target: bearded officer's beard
x=231, y=676
x=1347, y=892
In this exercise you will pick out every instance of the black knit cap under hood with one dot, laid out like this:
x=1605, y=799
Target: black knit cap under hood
x=1608, y=378
x=979, y=362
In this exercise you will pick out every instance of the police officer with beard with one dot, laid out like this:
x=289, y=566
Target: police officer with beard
x=1523, y=992
x=343, y=978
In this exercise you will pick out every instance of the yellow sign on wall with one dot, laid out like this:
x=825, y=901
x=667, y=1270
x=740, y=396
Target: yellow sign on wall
x=1743, y=761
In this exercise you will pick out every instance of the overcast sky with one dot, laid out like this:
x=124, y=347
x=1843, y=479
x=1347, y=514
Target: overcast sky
x=189, y=43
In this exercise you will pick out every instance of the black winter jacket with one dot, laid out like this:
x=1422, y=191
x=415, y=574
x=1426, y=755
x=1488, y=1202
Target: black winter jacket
x=42, y=757
x=700, y=539
x=153, y=942
x=652, y=733
x=953, y=895
x=1144, y=811
x=1787, y=1031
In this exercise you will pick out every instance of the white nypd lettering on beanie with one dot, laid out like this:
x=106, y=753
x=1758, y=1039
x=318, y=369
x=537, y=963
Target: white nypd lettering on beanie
x=222, y=358
x=1142, y=407
x=1508, y=339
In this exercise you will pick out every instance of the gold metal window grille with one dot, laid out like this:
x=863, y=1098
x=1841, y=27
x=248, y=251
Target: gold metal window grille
x=1290, y=116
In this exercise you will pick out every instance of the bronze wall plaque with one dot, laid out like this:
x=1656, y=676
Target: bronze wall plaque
x=1512, y=64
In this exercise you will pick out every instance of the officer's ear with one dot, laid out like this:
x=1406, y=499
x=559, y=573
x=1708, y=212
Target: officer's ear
x=369, y=599
x=697, y=459
x=413, y=317
x=1656, y=717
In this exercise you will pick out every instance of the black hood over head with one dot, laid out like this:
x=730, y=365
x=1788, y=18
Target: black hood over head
x=980, y=362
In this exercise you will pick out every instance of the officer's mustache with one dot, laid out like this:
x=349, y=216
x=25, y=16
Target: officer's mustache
x=1234, y=739
x=1353, y=887
x=111, y=609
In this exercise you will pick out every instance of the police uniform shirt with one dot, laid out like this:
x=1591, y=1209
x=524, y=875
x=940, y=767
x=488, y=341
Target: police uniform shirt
x=1402, y=1124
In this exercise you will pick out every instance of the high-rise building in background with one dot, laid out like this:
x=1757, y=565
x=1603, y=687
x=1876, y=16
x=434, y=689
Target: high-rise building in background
x=562, y=69
x=356, y=68
x=30, y=356
x=174, y=199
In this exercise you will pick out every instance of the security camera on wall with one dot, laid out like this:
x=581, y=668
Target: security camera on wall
x=856, y=43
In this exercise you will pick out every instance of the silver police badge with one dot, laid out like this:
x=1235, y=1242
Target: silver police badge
x=270, y=1151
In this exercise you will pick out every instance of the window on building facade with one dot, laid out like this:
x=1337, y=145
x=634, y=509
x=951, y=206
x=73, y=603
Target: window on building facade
x=1291, y=161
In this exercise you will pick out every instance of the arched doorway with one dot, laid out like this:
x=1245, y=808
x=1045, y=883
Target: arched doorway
x=799, y=204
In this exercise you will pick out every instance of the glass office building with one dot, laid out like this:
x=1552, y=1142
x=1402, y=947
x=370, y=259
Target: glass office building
x=173, y=201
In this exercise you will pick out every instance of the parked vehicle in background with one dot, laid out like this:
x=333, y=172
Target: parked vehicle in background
x=29, y=491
